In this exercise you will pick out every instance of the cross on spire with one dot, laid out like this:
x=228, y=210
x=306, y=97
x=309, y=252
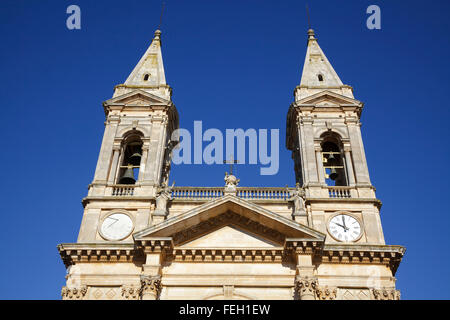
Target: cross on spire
x=231, y=162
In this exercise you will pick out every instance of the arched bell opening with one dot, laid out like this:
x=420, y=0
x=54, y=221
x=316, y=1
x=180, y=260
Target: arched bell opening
x=131, y=156
x=333, y=161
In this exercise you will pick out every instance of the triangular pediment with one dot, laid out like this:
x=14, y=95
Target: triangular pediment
x=230, y=237
x=229, y=211
x=137, y=98
x=329, y=98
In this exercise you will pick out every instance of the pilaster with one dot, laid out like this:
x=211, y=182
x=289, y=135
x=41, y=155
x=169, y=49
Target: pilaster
x=359, y=158
x=306, y=134
x=155, y=250
x=349, y=166
x=153, y=164
x=104, y=159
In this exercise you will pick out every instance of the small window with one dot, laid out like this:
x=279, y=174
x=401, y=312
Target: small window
x=320, y=77
x=146, y=76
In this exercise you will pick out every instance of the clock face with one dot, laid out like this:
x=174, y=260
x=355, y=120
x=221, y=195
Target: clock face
x=116, y=226
x=344, y=227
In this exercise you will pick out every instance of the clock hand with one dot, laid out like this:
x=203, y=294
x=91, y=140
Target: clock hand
x=340, y=225
x=113, y=222
x=343, y=221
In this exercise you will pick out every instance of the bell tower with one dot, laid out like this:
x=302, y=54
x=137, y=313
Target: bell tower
x=143, y=239
x=324, y=135
x=134, y=159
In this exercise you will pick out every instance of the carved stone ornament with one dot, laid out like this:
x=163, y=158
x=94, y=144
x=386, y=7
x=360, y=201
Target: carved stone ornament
x=231, y=182
x=297, y=196
x=326, y=293
x=306, y=287
x=151, y=286
x=163, y=195
x=73, y=293
x=386, y=294
x=130, y=292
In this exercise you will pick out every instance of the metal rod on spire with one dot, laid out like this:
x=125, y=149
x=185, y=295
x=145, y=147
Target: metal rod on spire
x=307, y=14
x=161, y=16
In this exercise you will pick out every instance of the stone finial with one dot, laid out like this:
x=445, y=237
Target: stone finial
x=157, y=35
x=311, y=34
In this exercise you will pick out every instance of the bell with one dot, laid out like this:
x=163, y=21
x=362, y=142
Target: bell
x=331, y=158
x=333, y=174
x=128, y=177
x=135, y=159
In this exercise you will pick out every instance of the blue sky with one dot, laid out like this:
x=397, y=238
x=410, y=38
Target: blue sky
x=232, y=64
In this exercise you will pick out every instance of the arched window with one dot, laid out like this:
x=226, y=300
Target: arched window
x=320, y=77
x=333, y=161
x=146, y=76
x=131, y=159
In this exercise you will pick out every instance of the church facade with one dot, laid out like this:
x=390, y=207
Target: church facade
x=141, y=238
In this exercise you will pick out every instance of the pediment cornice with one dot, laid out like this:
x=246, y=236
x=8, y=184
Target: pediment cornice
x=137, y=97
x=229, y=210
x=326, y=96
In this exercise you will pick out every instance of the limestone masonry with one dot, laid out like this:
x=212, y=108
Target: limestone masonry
x=141, y=238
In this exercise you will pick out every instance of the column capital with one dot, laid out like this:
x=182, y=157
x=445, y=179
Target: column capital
x=150, y=287
x=305, y=287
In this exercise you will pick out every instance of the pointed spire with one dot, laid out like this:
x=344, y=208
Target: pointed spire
x=318, y=73
x=148, y=74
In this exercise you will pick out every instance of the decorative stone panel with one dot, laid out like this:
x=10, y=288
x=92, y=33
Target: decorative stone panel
x=77, y=293
x=326, y=293
x=386, y=294
x=353, y=294
x=130, y=292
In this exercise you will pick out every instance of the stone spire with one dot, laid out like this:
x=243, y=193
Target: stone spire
x=148, y=75
x=318, y=73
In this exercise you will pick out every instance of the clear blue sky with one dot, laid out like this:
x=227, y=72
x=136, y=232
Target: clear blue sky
x=232, y=64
